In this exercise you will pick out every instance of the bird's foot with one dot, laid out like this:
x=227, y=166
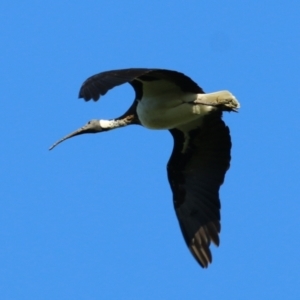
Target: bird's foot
x=224, y=99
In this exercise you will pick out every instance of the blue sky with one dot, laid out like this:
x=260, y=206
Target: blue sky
x=94, y=219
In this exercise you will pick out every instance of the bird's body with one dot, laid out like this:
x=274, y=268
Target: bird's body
x=201, y=155
x=163, y=108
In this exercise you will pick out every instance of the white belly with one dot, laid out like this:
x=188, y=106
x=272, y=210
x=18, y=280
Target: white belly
x=169, y=111
x=164, y=106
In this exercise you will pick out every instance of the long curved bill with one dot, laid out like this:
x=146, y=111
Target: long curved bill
x=92, y=126
x=74, y=133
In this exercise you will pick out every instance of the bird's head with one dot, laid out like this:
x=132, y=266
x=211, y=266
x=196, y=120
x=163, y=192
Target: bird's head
x=92, y=126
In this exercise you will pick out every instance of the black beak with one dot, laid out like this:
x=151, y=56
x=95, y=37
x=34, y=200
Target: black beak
x=90, y=127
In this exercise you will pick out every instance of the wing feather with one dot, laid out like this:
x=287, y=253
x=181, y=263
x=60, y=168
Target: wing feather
x=99, y=84
x=195, y=176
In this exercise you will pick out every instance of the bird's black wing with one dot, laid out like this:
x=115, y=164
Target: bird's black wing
x=98, y=85
x=196, y=171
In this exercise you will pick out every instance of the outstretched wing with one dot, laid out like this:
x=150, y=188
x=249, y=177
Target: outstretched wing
x=196, y=171
x=99, y=84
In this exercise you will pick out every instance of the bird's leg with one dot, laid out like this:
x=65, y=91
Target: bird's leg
x=221, y=98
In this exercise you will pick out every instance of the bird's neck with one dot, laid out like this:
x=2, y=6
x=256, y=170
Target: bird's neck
x=116, y=123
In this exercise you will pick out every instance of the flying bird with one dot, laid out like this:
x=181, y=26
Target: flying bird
x=170, y=100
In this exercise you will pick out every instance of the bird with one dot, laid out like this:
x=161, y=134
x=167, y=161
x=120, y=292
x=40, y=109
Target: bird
x=169, y=100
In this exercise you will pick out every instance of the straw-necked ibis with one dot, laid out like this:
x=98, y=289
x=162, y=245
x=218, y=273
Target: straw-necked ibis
x=166, y=99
